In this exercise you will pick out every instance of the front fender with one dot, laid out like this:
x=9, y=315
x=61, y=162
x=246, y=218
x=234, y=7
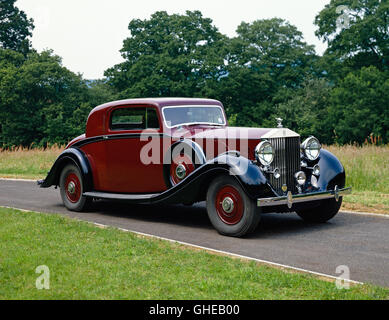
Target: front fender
x=71, y=155
x=331, y=171
x=194, y=187
x=187, y=146
x=248, y=174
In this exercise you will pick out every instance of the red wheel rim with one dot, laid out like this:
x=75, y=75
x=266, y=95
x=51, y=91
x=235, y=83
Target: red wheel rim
x=181, y=167
x=73, y=188
x=229, y=205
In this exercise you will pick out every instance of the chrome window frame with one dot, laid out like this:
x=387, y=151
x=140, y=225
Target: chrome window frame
x=192, y=123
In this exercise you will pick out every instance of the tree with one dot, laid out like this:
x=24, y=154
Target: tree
x=99, y=92
x=357, y=32
x=267, y=62
x=168, y=55
x=308, y=111
x=360, y=106
x=15, y=27
x=38, y=100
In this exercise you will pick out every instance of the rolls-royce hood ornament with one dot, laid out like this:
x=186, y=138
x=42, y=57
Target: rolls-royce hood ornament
x=279, y=123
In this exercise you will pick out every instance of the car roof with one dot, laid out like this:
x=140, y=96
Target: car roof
x=95, y=122
x=158, y=102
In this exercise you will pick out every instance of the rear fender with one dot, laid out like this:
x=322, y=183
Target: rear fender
x=70, y=156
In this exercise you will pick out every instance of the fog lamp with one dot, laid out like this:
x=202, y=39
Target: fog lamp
x=314, y=182
x=300, y=178
x=316, y=170
x=277, y=173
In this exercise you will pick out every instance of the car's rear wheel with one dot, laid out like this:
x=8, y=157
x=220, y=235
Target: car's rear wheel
x=323, y=213
x=72, y=188
x=231, y=211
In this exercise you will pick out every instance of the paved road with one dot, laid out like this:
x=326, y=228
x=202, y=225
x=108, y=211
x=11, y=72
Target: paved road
x=358, y=241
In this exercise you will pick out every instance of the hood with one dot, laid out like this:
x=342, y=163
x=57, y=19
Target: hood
x=202, y=132
x=248, y=138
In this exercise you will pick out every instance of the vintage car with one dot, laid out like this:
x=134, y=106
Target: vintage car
x=182, y=151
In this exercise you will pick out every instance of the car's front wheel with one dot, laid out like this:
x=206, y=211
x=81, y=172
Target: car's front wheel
x=231, y=211
x=326, y=211
x=72, y=188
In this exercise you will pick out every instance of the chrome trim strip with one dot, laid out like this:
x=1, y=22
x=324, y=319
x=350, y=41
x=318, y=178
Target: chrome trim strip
x=290, y=199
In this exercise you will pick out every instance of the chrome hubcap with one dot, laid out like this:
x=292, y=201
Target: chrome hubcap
x=228, y=205
x=71, y=187
x=180, y=171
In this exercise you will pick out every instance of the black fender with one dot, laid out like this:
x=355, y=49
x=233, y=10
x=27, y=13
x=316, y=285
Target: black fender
x=332, y=172
x=194, y=188
x=191, y=148
x=71, y=155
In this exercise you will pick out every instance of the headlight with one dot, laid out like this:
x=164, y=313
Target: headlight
x=264, y=153
x=311, y=148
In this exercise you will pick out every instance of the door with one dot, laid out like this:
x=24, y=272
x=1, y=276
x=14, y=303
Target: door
x=131, y=130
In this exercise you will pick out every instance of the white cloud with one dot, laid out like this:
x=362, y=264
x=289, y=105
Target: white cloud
x=88, y=34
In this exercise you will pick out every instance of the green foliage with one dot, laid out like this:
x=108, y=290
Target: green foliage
x=266, y=62
x=38, y=98
x=275, y=48
x=41, y=102
x=357, y=61
x=99, y=92
x=360, y=106
x=267, y=70
x=364, y=39
x=168, y=55
x=15, y=27
x=307, y=111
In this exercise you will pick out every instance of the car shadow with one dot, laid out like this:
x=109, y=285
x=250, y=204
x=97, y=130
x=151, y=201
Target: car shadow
x=272, y=224
x=282, y=225
x=188, y=216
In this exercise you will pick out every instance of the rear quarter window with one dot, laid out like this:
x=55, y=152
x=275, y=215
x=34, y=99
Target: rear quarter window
x=134, y=119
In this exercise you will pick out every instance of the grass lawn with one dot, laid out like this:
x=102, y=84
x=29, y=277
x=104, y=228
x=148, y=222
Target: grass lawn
x=23, y=163
x=87, y=262
x=367, y=170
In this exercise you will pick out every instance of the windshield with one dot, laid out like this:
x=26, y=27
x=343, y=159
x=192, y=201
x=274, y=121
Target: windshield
x=181, y=115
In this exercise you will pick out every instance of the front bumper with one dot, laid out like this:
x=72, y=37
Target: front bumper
x=290, y=198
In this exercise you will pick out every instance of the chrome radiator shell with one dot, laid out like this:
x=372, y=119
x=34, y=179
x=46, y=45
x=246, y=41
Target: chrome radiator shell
x=287, y=160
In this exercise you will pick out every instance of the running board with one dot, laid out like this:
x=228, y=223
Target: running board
x=120, y=196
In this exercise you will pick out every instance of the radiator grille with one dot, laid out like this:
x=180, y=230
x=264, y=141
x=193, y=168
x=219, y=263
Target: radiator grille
x=287, y=160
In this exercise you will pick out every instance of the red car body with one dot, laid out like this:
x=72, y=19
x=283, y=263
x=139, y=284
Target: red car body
x=115, y=163
x=106, y=162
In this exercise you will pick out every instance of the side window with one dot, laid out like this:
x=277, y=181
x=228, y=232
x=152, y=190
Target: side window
x=134, y=119
x=152, y=119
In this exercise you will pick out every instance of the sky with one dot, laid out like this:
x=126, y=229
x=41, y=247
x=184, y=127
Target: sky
x=88, y=34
